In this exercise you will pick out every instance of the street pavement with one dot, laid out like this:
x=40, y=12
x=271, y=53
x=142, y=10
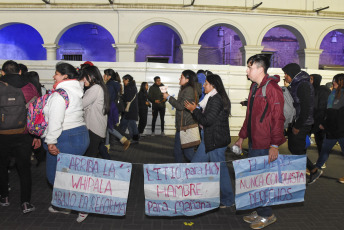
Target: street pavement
x=323, y=207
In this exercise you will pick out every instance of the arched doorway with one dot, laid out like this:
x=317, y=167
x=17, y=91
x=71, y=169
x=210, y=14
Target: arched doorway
x=21, y=42
x=86, y=42
x=333, y=50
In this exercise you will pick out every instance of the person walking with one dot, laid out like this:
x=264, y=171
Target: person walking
x=264, y=128
x=213, y=120
x=158, y=104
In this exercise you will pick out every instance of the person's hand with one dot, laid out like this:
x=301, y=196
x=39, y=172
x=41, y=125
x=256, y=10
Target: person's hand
x=147, y=103
x=295, y=131
x=321, y=127
x=190, y=106
x=157, y=101
x=53, y=149
x=165, y=95
x=36, y=143
x=239, y=142
x=273, y=154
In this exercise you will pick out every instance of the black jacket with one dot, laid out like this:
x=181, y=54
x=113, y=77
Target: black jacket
x=215, y=124
x=129, y=92
x=154, y=93
x=143, y=98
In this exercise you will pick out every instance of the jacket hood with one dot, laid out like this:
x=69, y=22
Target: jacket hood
x=316, y=80
x=15, y=80
x=71, y=85
x=275, y=78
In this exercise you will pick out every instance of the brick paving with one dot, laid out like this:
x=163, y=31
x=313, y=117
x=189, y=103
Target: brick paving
x=323, y=207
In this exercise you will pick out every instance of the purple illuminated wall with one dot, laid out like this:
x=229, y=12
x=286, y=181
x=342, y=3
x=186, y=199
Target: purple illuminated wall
x=220, y=50
x=159, y=41
x=333, y=49
x=21, y=42
x=91, y=41
x=282, y=44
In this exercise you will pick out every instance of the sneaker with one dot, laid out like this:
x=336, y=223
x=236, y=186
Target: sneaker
x=27, y=207
x=153, y=134
x=162, y=134
x=251, y=218
x=341, y=180
x=126, y=145
x=54, y=209
x=4, y=201
x=324, y=166
x=81, y=217
x=315, y=176
x=261, y=222
x=308, y=172
x=108, y=147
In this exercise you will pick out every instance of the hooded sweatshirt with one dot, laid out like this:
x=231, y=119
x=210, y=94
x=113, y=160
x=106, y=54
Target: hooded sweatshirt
x=57, y=116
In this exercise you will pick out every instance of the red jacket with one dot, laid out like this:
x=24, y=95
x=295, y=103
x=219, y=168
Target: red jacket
x=271, y=130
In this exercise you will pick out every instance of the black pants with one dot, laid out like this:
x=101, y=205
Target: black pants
x=155, y=112
x=19, y=147
x=93, y=148
x=142, y=120
x=297, y=143
x=319, y=139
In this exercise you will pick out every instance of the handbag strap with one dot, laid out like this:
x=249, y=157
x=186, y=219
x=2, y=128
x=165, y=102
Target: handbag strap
x=133, y=98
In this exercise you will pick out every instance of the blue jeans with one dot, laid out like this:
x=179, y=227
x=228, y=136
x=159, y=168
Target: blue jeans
x=217, y=155
x=178, y=151
x=326, y=149
x=131, y=125
x=112, y=132
x=72, y=141
x=262, y=211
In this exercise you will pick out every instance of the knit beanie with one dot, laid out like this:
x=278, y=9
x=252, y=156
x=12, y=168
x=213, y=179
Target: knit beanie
x=292, y=69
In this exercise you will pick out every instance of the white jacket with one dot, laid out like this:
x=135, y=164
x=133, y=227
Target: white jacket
x=57, y=116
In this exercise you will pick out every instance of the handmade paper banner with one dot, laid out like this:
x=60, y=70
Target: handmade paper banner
x=91, y=185
x=181, y=189
x=258, y=183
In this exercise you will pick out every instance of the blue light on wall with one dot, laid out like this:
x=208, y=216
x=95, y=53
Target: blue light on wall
x=92, y=42
x=21, y=42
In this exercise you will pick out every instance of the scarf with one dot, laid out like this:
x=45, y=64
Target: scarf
x=204, y=102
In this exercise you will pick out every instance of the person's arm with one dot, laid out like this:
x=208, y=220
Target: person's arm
x=213, y=109
x=304, y=94
x=90, y=96
x=186, y=95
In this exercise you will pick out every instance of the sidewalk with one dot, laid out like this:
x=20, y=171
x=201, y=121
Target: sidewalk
x=323, y=207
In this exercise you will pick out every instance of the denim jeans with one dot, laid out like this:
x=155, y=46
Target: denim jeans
x=131, y=125
x=326, y=149
x=178, y=151
x=262, y=211
x=72, y=141
x=217, y=155
x=116, y=131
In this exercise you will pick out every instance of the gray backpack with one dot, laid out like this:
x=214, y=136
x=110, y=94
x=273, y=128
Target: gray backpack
x=288, y=109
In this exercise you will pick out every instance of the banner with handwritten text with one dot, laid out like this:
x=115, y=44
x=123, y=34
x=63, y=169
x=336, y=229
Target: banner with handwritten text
x=181, y=189
x=258, y=183
x=91, y=185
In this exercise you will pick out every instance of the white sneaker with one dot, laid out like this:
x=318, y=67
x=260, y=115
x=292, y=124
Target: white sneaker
x=153, y=134
x=81, y=217
x=162, y=134
x=59, y=210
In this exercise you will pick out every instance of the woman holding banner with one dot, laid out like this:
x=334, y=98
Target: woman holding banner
x=66, y=131
x=213, y=120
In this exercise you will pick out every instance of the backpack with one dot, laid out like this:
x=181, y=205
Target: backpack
x=12, y=109
x=36, y=123
x=289, y=111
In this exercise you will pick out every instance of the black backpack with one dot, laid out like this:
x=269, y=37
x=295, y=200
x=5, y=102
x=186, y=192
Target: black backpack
x=13, y=109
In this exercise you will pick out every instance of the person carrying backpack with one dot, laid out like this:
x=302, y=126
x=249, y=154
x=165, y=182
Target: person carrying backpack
x=15, y=141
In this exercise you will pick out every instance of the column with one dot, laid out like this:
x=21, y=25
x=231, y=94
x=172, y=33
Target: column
x=309, y=58
x=190, y=53
x=125, y=52
x=51, y=50
x=249, y=51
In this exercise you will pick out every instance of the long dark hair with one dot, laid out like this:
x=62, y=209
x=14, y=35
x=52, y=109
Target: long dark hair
x=66, y=69
x=216, y=82
x=93, y=76
x=339, y=79
x=191, y=75
x=33, y=78
x=113, y=74
x=143, y=87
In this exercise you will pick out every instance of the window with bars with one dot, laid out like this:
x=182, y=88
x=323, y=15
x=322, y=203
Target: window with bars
x=72, y=57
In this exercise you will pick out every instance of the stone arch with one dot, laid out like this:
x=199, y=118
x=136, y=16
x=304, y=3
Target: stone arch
x=237, y=28
x=24, y=23
x=59, y=35
x=159, y=21
x=292, y=27
x=326, y=31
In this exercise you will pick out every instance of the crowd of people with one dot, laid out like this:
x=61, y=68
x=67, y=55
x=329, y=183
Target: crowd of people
x=81, y=96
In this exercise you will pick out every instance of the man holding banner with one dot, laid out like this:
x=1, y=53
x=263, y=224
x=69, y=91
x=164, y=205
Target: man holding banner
x=263, y=125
